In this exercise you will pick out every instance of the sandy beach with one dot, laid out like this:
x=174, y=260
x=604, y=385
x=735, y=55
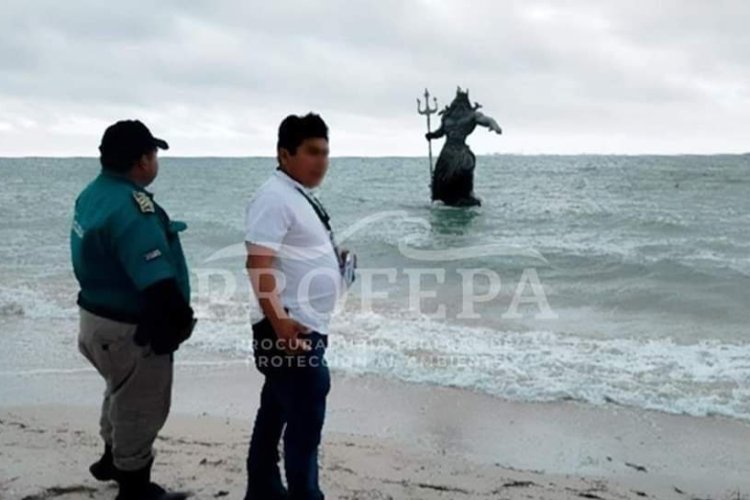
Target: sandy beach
x=382, y=439
x=523, y=226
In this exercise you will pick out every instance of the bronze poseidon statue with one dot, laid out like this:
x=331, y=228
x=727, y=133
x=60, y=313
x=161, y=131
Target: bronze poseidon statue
x=453, y=178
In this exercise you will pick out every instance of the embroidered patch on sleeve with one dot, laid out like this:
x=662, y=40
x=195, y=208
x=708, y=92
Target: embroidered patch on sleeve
x=153, y=254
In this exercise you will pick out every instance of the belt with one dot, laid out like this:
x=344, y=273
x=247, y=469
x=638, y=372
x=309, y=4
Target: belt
x=263, y=329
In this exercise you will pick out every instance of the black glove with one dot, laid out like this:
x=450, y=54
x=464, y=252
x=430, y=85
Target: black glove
x=167, y=319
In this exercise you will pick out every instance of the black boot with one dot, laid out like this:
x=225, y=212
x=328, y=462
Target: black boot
x=137, y=485
x=275, y=490
x=277, y=494
x=271, y=489
x=104, y=469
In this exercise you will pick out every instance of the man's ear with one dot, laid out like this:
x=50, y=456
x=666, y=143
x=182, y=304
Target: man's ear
x=282, y=154
x=142, y=161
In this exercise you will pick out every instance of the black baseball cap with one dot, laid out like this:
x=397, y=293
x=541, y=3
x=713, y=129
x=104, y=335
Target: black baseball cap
x=128, y=140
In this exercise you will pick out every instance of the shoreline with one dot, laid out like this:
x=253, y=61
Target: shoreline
x=436, y=433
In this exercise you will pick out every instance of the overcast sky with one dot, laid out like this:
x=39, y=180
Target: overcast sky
x=216, y=77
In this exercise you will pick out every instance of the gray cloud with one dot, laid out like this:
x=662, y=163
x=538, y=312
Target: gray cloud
x=216, y=77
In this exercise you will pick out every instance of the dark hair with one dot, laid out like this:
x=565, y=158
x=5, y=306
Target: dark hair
x=122, y=163
x=295, y=129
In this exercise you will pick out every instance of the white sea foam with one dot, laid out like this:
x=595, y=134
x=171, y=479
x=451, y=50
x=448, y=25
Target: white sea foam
x=704, y=378
x=23, y=301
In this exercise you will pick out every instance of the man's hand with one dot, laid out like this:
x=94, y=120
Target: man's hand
x=288, y=330
x=260, y=266
x=167, y=318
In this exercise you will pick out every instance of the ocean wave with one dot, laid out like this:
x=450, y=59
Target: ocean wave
x=11, y=309
x=23, y=301
x=702, y=379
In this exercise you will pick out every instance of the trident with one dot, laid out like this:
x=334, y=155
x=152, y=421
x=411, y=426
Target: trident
x=427, y=111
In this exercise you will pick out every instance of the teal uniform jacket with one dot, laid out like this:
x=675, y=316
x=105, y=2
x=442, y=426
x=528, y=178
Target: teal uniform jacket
x=121, y=243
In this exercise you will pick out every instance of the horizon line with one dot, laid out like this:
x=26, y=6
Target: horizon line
x=270, y=157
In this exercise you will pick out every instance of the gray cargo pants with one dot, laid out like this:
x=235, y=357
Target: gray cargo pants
x=139, y=388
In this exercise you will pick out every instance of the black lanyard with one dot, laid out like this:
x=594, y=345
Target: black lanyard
x=319, y=210
x=317, y=206
x=325, y=219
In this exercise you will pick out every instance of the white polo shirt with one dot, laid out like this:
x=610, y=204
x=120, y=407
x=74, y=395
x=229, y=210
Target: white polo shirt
x=307, y=269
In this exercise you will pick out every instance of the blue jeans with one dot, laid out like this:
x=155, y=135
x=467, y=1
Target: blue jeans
x=293, y=395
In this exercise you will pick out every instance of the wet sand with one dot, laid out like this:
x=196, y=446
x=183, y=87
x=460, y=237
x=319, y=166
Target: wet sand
x=382, y=439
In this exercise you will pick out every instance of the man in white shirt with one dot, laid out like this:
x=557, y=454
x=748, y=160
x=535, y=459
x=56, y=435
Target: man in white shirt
x=296, y=272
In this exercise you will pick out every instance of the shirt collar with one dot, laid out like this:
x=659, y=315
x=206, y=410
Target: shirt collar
x=290, y=180
x=121, y=178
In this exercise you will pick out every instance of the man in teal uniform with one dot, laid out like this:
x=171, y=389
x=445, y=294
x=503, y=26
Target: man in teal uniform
x=134, y=304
